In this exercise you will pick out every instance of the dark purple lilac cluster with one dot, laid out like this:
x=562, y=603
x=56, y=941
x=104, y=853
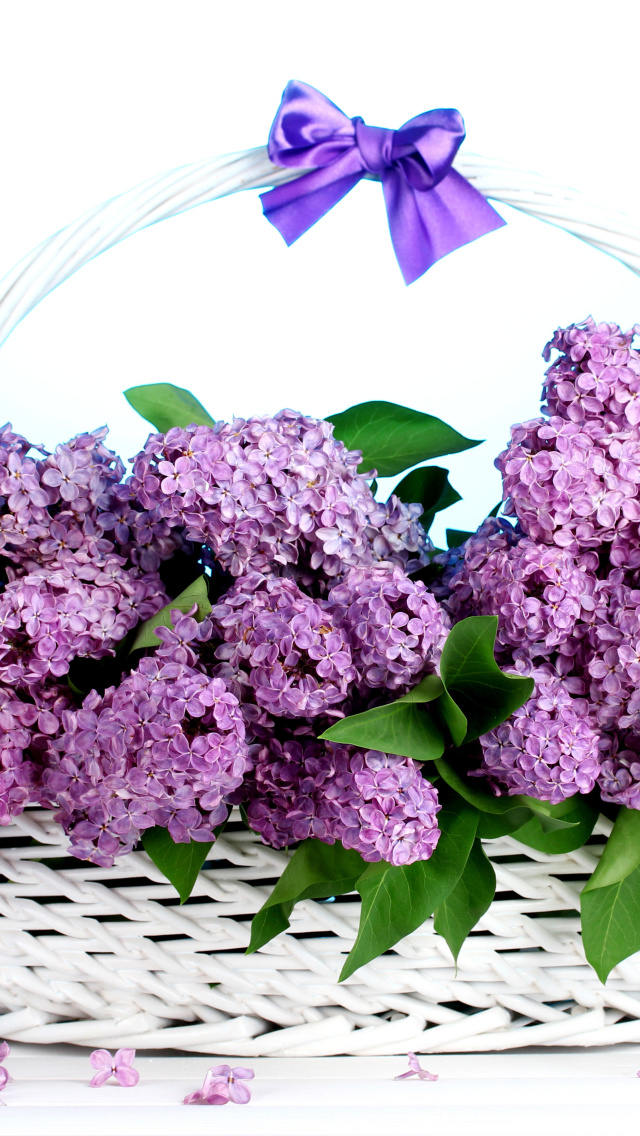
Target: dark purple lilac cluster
x=564, y=580
x=322, y=617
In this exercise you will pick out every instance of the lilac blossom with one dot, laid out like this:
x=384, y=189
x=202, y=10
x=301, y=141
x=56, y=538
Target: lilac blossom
x=4, y=1074
x=378, y=803
x=292, y=655
x=164, y=748
x=416, y=1070
x=541, y=594
x=572, y=477
x=266, y=493
x=118, y=1066
x=548, y=749
x=75, y=608
x=223, y=1084
x=394, y=627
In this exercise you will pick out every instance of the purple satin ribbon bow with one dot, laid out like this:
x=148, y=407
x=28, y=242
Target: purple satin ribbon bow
x=432, y=209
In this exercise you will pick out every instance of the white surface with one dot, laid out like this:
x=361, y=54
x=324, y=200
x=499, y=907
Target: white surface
x=507, y=1095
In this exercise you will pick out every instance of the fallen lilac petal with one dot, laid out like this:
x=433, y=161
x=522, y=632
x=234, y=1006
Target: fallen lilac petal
x=118, y=1067
x=415, y=1070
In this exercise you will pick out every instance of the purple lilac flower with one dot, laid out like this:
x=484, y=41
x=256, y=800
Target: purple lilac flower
x=394, y=627
x=572, y=480
x=223, y=1084
x=294, y=658
x=4, y=1074
x=619, y=777
x=17, y=774
x=74, y=608
x=118, y=1066
x=416, y=1070
x=540, y=593
x=164, y=748
x=267, y=492
x=548, y=749
x=378, y=803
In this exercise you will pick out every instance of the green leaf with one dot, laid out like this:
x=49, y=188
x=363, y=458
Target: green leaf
x=496, y=509
x=164, y=406
x=452, y=717
x=456, y=537
x=579, y=811
x=400, y=728
x=180, y=863
x=428, y=688
x=315, y=871
x=517, y=809
x=474, y=680
x=428, y=486
x=393, y=438
x=621, y=854
x=196, y=593
x=468, y=900
x=395, y=901
x=611, y=923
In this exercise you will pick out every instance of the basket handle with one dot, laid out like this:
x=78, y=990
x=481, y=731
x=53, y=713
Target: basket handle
x=169, y=194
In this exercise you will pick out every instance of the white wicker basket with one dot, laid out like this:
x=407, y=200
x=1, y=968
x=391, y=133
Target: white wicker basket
x=104, y=957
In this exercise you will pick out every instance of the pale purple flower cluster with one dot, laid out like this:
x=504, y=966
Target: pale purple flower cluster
x=564, y=582
x=539, y=592
x=72, y=608
x=164, y=748
x=548, y=749
x=572, y=478
x=284, y=645
x=276, y=502
x=395, y=628
x=265, y=493
x=376, y=803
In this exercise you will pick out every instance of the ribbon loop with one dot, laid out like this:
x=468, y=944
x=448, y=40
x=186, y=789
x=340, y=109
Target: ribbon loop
x=431, y=208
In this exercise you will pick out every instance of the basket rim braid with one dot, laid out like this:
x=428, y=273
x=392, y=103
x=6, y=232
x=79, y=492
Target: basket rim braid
x=95, y=956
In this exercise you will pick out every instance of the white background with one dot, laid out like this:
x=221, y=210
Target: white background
x=98, y=96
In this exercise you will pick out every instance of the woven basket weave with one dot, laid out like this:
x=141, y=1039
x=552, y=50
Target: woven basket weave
x=97, y=956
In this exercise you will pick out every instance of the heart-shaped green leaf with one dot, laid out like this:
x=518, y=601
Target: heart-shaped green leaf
x=485, y=694
x=611, y=923
x=456, y=537
x=196, y=593
x=393, y=438
x=165, y=405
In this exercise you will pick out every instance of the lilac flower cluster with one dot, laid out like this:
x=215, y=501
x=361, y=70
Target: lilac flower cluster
x=564, y=581
x=396, y=629
x=163, y=748
x=571, y=478
x=285, y=646
x=540, y=593
x=72, y=608
x=548, y=749
x=376, y=803
x=322, y=615
x=266, y=493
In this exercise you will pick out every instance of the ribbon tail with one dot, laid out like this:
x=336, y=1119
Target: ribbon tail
x=296, y=206
x=425, y=227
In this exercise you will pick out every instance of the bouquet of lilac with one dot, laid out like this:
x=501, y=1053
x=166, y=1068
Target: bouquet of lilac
x=239, y=622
